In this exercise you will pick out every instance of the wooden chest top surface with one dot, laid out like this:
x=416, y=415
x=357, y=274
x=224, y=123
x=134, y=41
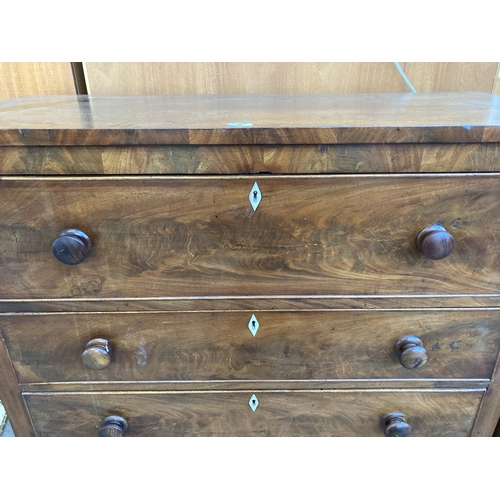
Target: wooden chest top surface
x=250, y=119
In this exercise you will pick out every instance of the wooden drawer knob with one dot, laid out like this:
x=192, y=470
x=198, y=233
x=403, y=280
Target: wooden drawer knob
x=435, y=242
x=113, y=426
x=395, y=425
x=411, y=352
x=97, y=354
x=71, y=247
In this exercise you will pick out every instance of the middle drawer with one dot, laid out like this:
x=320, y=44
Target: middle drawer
x=218, y=346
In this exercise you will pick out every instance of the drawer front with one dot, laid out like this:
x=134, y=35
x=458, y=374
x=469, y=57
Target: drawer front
x=294, y=413
x=220, y=346
x=249, y=159
x=201, y=237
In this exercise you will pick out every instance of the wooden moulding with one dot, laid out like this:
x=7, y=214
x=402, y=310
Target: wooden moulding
x=250, y=119
x=253, y=385
x=234, y=160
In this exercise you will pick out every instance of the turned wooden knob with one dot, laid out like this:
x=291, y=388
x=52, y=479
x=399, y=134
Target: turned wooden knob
x=435, y=242
x=97, y=354
x=395, y=425
x=411, y=352
x=113, y=426
x=71, y=247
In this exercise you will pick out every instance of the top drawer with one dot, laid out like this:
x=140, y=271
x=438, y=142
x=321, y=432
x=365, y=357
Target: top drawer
x=180, y=236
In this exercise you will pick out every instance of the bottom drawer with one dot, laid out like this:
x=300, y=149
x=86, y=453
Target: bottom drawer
x=274, y=413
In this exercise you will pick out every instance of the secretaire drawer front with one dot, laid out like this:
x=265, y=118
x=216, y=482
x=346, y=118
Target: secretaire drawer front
x=277, y=346
x=223, y=236
x=249, y=159
x=292, y=413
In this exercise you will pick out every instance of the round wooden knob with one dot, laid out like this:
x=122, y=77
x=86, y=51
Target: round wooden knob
x=411, y=352
x=435, y=242
x=113, y=426
x=71, y=247
x=97, y=354
x=395, y=425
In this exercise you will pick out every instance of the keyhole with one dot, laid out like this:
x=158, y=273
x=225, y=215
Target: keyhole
x=253, y=324
x=255, y=195
x=253, y=401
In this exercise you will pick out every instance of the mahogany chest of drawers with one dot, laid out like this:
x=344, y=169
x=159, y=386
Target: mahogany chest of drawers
x=266, y=265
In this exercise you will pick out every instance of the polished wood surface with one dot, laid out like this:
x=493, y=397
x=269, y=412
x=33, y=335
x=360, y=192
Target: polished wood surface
x=152, y=326
x=284, y=77
x=200, y=237
x=289, y=413
x=489, y=411
x=255, y=159
x=211, y=346
x=254, y=385
x=253, y=302
x=250, y=119
x=11, y=395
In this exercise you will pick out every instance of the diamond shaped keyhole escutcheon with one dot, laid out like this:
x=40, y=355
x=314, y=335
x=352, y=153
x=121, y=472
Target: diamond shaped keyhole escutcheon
x=253, y=402
x=253, y=325
x=255, y=196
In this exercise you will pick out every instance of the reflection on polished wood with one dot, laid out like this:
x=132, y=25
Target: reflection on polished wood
x=217, y=346
x=290, y=413
x=312, y=235
x=266, y=119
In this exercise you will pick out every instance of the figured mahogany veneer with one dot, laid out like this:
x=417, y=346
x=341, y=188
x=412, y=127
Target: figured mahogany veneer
x=183, y=236
x=142, y=294
x=291, y=413
x=218, y=346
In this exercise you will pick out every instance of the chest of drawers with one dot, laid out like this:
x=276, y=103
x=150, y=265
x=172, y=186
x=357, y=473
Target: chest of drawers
x=287, y=265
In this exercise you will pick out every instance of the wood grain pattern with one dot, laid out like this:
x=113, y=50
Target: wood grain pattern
x=294, y=413
x=200, y=237
x=227, y=160
x=489, y=414
x=251, y=303
x=193, y=246
x=35, y=78
x=451, y=76
x=241, y=78
x=11, y=395
x=219, y=346
x=275, y=119
x=284, y=77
